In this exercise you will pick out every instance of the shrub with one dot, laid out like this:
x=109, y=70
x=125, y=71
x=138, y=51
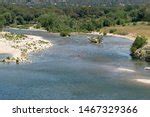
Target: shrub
x=38, y=26
x=112, y=30
x=64, y=34
x=138, y=43
x=120, y=22
x=2, y=22
x=107, y=22
x=104, y=33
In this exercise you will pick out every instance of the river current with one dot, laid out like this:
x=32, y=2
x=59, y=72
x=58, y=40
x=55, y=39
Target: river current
x=75, y=69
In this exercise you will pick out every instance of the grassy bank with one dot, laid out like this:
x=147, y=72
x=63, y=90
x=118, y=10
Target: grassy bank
x=140, y=48
x=130, y=30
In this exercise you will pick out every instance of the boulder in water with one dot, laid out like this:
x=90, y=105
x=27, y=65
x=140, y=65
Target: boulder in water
x=96, y=39
x=143, y=53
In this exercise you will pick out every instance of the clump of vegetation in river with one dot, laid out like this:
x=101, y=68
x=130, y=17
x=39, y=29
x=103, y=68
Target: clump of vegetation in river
x=64, y=34
x=139, y=42
x=104, y=33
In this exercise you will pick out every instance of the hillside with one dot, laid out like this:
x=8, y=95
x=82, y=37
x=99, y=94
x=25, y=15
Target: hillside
x=109, y=2
x=78, y=2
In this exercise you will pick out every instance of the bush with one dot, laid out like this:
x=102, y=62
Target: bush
x=138, y=43
x=64, y=34
x=120, y=22
x=38, y=26
x=107, y=22
x=104, y=33
x=2, y=22
x=112, y=30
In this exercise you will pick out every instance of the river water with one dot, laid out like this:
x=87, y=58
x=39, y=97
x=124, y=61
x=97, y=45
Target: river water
x=75, y=69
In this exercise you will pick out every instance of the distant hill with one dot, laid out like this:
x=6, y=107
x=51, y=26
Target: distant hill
x=78, y=2
x=110, y=2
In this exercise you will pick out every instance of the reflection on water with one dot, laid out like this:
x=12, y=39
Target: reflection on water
x=75, y=69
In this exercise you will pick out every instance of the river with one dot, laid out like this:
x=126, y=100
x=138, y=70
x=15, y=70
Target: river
x=75, y=69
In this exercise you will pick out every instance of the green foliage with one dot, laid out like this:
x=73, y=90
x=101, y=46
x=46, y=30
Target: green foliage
x=8, y=18
x=147, y=14
x=87, y=26
x=72, y=19
x=104, y=33
x=120, y=21
x=38, y=26
x=2, y=22
x=112, y=30
x=20, y=20
x=49, y=21
x=64, y=34
x=138, y=43
x=55, y=23
x=106, y=22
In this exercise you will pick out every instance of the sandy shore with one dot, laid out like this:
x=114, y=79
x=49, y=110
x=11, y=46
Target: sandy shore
x=20, y=48
x=130, y=36
x=122, y=36
x=6, y=49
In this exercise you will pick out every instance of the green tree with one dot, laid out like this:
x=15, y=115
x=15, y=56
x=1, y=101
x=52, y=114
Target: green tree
x=106, y=22
x=8, y=18
x=20, y=20
x=51, y=22
x=2, y=22
x=138, y=43
x=120, y=21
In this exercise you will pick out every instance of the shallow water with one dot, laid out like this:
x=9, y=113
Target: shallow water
x=4, y=56
x=75, y=69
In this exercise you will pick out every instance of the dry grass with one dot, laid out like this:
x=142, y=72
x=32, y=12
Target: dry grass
x=132, y=30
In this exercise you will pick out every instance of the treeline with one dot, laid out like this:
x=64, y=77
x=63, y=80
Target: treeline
x=71, y=19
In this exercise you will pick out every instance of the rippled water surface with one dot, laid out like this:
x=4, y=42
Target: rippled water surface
x=75, y=69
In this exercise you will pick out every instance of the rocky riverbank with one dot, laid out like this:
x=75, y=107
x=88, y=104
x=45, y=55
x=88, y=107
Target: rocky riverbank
x=143, y=53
